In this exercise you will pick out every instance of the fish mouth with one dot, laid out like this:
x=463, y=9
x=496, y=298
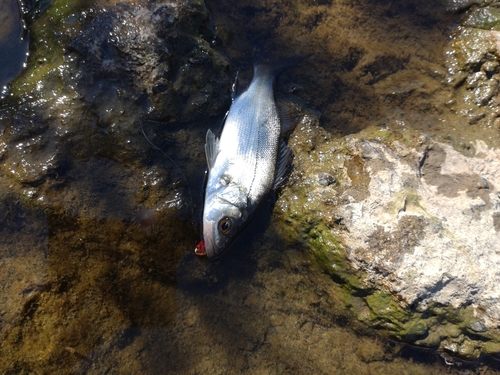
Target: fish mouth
x=200, y=249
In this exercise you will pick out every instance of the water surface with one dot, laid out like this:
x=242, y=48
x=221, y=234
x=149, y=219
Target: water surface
x=14, y=40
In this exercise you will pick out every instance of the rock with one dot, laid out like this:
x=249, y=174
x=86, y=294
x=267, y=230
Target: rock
x=419, y=222
x=478, y=326
x=473, y=66
x=123, y=71
x=162, y=52
x=433, y=234
x=325, y=179
x=486, y=18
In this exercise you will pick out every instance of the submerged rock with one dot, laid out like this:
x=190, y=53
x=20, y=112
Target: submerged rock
x=101, y=77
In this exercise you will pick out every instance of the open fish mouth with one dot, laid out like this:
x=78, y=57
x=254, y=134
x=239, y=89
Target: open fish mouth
x=200, y=249
x=206, y=246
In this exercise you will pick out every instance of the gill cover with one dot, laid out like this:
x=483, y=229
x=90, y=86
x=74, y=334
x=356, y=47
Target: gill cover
x=224, y=213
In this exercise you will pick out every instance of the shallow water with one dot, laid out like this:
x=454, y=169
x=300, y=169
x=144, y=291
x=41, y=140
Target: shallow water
x=14, y=40
x=88, y=290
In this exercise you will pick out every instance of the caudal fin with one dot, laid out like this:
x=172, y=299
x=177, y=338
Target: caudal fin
x=274, y=69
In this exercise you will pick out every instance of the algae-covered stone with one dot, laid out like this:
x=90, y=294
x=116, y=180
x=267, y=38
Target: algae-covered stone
x=419, y=226
x=483, y=18
x=473, y=68
x=412, y=218
x=96, y=75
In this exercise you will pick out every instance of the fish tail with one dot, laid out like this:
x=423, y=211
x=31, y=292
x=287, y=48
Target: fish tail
x=266, y=70
x=275, y=69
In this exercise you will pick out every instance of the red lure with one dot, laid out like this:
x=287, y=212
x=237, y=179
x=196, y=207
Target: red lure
x=200, y=249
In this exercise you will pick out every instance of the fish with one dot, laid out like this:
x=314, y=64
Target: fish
x=249, y=160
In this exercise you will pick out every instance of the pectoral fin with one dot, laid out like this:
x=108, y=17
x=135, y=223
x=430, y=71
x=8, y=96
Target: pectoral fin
x=283, y=166
x=287, y=118
x=211, y=148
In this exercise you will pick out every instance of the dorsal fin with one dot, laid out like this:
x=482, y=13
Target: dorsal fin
x=211, y=148
x=283, y=166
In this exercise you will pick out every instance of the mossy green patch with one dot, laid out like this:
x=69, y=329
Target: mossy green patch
x=49, y=33
x=491, y=347
x=331, y=256
x=483, y=18
x=435, y=326
x=385, y=310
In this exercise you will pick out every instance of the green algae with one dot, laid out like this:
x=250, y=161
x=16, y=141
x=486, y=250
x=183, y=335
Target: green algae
x=387, y=313
x=492, y=347
x=314, y=224
x=446, y=327
x=487, y=18
x=49, y=34
x=384, y=307
x=331, y=256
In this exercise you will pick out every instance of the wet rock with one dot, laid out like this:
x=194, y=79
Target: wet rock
x=478, y=326
x=486, y=18
x=99, y=76
x=457, y=5
x=473, y=66
x=417, y=224
x=162, y=52
x=325, y=179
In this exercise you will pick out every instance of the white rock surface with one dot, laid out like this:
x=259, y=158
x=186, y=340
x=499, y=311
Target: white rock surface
x=430, y=228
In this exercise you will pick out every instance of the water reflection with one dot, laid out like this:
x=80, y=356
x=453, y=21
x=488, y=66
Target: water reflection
x=14, y=41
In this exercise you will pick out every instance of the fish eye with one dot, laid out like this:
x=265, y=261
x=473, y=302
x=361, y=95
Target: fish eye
x=224, y=225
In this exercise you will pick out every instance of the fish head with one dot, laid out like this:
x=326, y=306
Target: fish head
x=224, y=216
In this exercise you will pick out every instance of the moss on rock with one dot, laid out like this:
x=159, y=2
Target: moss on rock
x=311, y=213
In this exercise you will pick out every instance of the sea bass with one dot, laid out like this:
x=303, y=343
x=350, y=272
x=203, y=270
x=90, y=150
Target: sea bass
x=244, y=165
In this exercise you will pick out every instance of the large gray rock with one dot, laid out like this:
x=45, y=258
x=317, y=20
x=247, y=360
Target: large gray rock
x=409, y=221
x=429, y=228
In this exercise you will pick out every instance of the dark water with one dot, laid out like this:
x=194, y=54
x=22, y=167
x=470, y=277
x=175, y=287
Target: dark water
x=100, y=273
x=14, y=39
